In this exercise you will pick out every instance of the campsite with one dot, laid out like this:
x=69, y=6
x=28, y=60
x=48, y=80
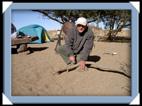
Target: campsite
x=35, y=74
x=40, y=70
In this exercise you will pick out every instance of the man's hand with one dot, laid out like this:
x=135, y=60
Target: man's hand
x=82, y=65
x=72, y=58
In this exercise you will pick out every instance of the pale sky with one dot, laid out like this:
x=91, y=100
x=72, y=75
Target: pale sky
x=21, y=18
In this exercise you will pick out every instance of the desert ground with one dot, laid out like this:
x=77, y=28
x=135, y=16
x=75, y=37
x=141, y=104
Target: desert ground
x=36, y=73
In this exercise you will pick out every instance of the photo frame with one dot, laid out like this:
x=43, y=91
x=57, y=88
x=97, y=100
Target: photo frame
x=9, y=99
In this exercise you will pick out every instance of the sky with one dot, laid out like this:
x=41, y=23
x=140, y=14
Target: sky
x=21, y=18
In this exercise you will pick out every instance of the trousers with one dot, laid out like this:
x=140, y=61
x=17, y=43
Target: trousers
x=63, y=53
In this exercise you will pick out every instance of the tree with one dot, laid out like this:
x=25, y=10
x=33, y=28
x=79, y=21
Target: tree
x=114, y=20
x=63, y=16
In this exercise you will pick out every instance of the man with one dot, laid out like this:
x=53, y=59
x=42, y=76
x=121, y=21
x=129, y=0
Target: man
x=78, y=43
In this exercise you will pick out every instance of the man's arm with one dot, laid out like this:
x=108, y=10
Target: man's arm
x=69, y=43
x=86, y=51
x=87, y=47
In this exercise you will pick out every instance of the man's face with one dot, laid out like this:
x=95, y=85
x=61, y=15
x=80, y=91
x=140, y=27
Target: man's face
x=81, y=28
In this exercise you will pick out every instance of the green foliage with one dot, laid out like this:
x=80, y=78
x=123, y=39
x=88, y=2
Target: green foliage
x=113, y=20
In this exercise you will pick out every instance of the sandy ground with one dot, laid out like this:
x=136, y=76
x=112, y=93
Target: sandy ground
x=35, y=74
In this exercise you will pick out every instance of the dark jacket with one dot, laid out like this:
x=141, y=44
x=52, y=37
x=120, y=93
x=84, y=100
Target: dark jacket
x=76, y=43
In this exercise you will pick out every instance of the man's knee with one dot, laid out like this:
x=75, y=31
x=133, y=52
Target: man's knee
x=61, y=50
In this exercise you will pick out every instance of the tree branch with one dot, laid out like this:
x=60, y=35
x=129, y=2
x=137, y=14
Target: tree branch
x=46, y=14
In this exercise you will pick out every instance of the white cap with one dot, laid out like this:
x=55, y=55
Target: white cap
x=81, y=21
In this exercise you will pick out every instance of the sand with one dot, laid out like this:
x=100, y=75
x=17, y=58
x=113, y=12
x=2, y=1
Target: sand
x=35, y=74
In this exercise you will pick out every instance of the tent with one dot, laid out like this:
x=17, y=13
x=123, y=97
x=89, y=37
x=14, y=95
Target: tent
x=35, y=30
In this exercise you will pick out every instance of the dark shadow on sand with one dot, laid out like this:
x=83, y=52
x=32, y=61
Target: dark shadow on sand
x=33, y=49
x=14, y=51
x=29, y=49
x=94, y=58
